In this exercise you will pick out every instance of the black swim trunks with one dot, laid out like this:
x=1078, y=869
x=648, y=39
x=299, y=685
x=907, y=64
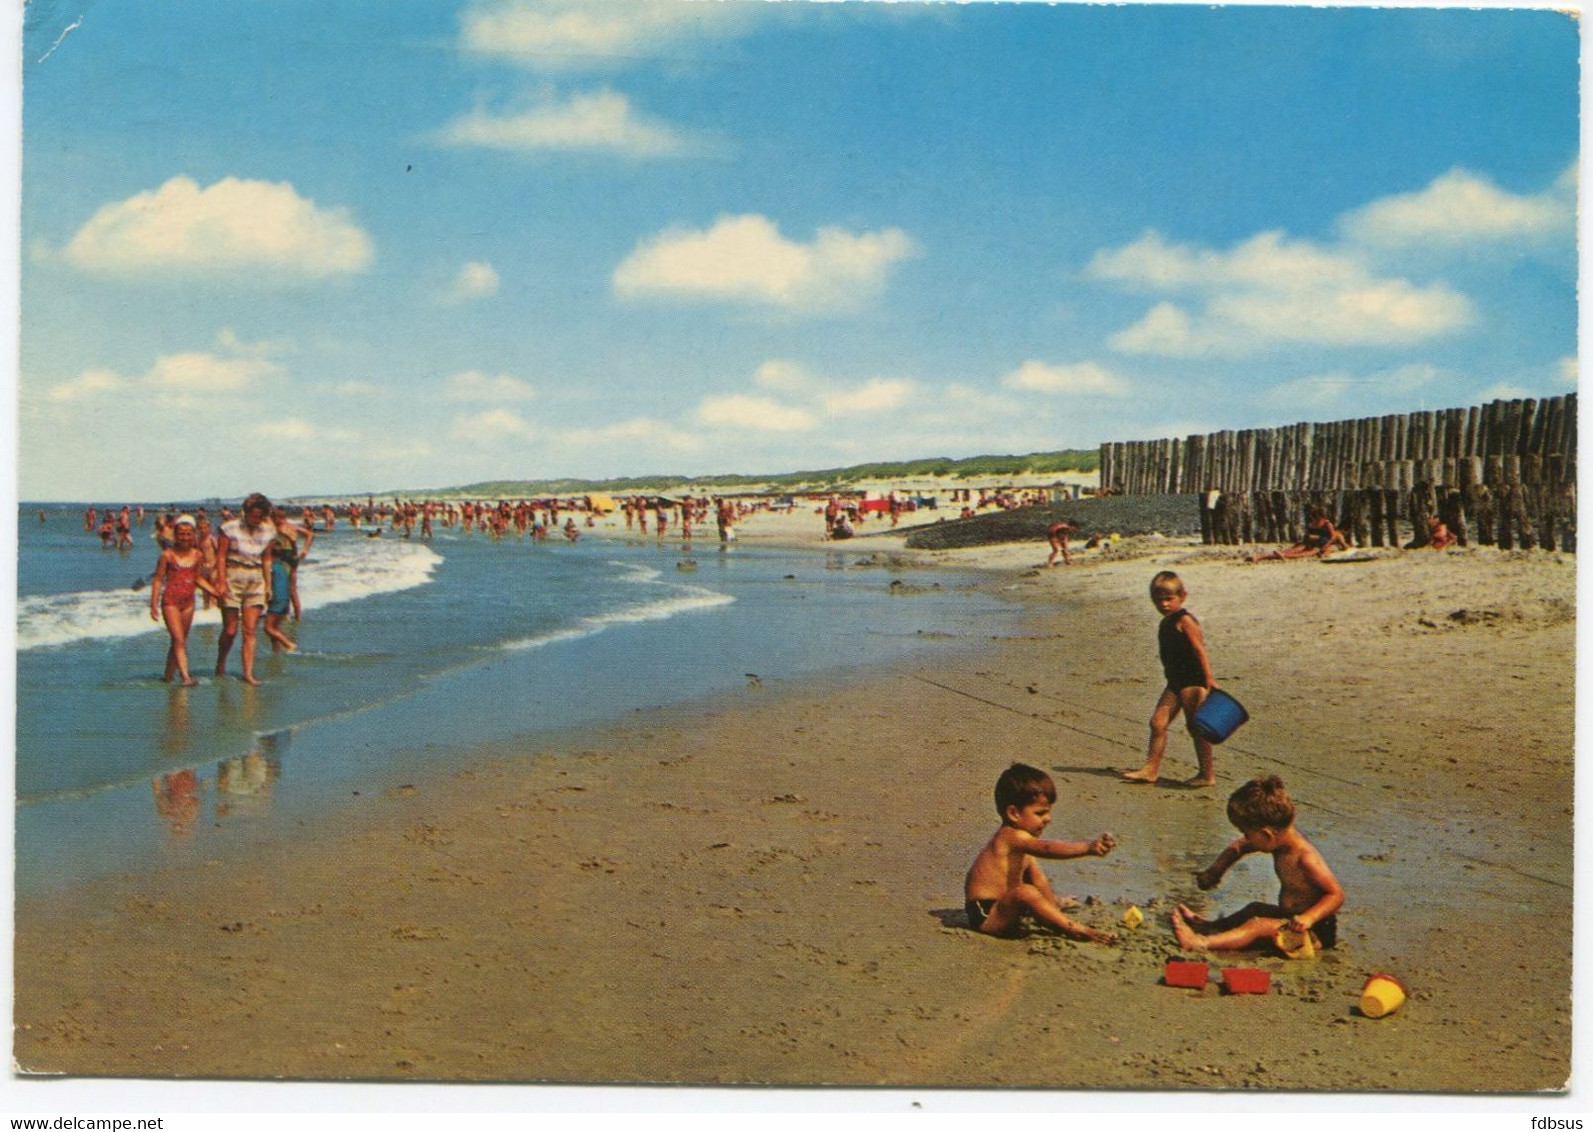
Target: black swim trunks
x=1327, y=930
x=979, y=911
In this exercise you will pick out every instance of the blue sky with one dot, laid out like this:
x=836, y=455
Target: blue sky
x=303, y=247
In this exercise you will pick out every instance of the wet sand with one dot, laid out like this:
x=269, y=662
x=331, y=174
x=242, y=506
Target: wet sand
x=766, y=888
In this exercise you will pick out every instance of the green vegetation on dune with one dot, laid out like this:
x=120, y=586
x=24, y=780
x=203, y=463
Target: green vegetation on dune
x=973, y=467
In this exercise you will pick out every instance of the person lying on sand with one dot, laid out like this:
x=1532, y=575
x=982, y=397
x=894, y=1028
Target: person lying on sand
x=1321, y=538
x=1309, y=896
x=1005, y=881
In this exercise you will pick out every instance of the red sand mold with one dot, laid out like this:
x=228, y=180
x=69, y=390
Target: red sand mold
x=1246, y=980
x=1183, y=974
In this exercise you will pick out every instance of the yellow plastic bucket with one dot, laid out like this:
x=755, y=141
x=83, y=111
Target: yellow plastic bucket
x=1295, y=945
x=1383, y=994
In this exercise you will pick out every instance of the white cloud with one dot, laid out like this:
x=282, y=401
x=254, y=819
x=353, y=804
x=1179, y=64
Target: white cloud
x=188, y=379
x=395, y=451
x=195, y=372
x=877, y=395
x=1270, y=291
x=580, y=35
x=1461, y=207
x=90, y=383
x=639, y=432
x=598, y=122
x=1166, y=329
x=745, y=259
x=1503, y=391
x=267, y=231
x=1341, y=385
x=473, y=385
x=490, y=425
x=229, y=341
x=759, y=414
x=1076, y=378
x=780, y=376
x=476, y=280
x=960, y=398
x=286, y=428
x=1266, y=260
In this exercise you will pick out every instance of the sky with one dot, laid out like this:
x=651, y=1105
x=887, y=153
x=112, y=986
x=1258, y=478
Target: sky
x=309, y=248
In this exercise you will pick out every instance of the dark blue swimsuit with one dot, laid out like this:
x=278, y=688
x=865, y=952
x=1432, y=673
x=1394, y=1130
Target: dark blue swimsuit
x=1180, y=663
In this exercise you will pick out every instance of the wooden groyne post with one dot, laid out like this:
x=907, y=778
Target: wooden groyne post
x=1501, y=474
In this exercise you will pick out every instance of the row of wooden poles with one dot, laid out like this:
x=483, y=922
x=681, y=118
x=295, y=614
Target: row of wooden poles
x=1499, y=474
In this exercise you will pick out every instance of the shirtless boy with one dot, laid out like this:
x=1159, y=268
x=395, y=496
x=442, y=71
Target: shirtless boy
x=1309, y=895
x=1006, y=882
x=1058, y=537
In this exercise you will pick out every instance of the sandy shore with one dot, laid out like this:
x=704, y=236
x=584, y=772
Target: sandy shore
x=767, y=887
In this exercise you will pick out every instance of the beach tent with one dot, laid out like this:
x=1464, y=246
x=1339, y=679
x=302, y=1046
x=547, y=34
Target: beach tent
x=600, y=503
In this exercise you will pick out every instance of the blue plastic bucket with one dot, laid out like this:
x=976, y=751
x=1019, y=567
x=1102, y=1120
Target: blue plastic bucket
x=1219, y=717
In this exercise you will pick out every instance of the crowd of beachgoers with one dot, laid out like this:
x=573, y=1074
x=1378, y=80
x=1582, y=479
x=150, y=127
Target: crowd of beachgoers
x=247, y=562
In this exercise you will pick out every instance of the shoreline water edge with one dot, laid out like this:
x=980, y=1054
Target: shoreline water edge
x=763, y=884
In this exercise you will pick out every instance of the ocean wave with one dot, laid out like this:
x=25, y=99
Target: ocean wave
x=336, y=572
x=691, y=599
x=636, y=572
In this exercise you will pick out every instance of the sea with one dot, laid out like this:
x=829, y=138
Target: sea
x=413, y=657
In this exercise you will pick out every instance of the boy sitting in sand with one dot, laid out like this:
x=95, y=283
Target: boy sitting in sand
x=1005, y=882
x=1309, y=895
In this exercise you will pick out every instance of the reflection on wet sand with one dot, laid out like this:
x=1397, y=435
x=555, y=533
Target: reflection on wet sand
x=175, y=737
x=236, y=702
x=177, y=800
x=244, y=785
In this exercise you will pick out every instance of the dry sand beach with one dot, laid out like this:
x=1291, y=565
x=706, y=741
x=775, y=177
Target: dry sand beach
x=766, y=887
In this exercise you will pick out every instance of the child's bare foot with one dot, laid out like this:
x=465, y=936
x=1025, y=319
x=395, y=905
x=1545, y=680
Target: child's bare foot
x=251, y=680
x=1191, y=915
x=1148, y=777
x=189, y=682
x=1188, y=938
x=1199, y=781
x=1096, y=936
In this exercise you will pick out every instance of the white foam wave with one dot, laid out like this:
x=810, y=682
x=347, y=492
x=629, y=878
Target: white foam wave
x=636, y=572
x=349, y=571
x=337, y=572
x=692, y=600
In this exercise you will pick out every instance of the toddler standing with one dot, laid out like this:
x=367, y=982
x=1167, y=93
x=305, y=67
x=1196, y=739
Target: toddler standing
x=1187, y=667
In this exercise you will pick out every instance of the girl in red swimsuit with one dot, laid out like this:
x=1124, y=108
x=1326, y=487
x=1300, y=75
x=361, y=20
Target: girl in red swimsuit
x=171, y=595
